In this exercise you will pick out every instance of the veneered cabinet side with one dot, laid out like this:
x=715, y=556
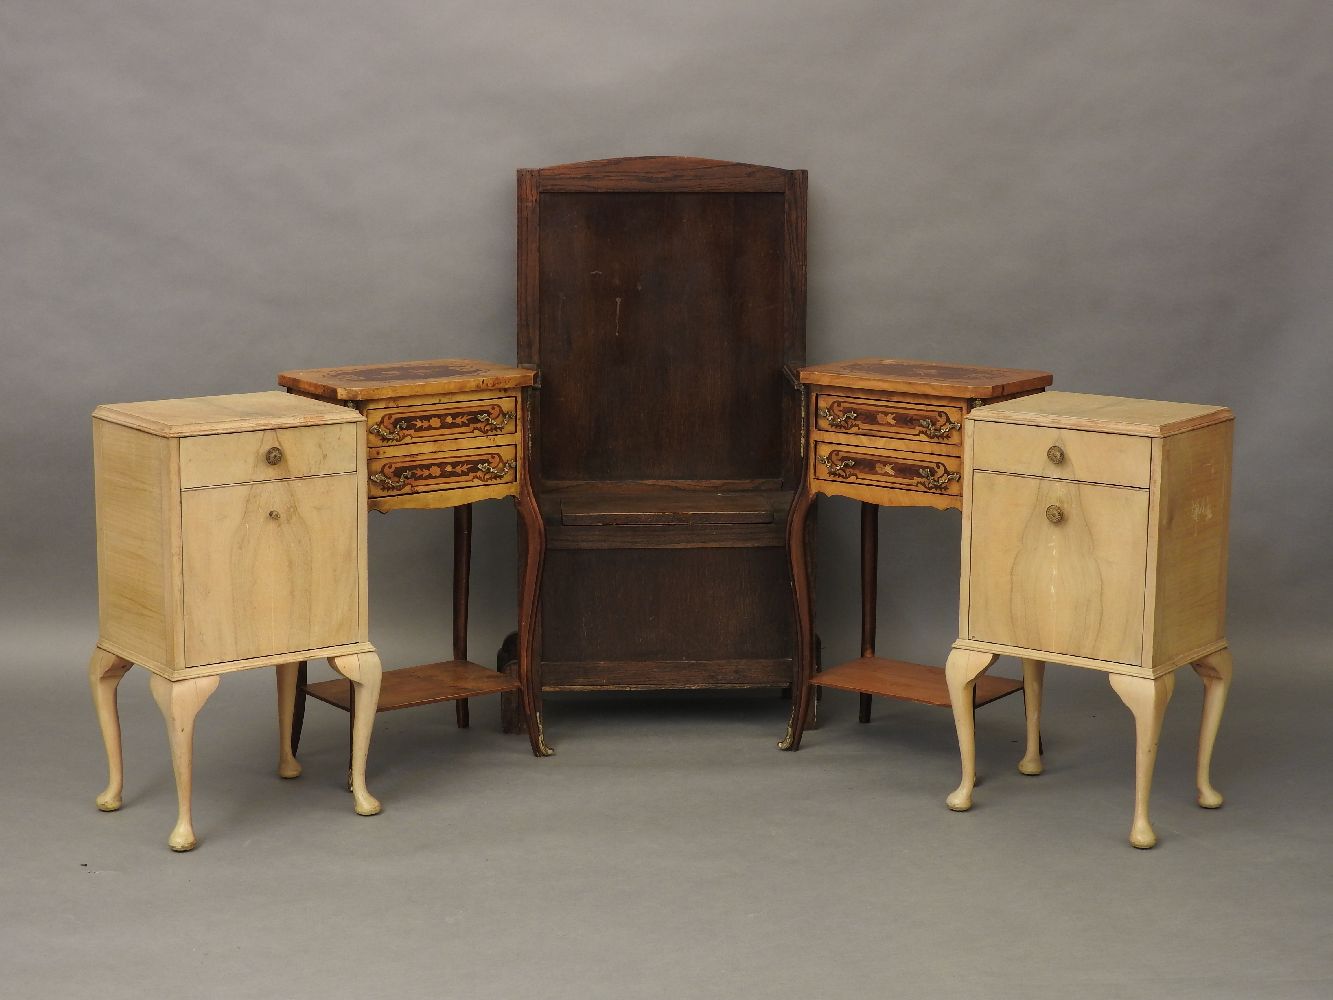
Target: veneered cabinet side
x=1189, y=586
x=135, y=503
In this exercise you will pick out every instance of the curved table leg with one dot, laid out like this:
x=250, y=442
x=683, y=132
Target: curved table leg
x=364, y=671
x=105, y=671
x=1215, y=672
x=1147, y=698
x=288, y=765
x=529, y=608
x=798, y=520
x=1034, y=677
x=961, y=671
x=180, y=702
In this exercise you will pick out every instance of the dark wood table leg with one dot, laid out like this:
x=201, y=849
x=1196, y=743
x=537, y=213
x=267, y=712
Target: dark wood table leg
x=797, y=555
x=298, y=708
x=869, y=571
x=529, y=607
x=462, y=577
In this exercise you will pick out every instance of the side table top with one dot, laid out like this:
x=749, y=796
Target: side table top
x=406, y=378
x=1110, y=414
x=245, y=411
x=928, y=378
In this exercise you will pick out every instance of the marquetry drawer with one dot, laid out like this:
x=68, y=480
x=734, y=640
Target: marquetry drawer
x=889, y=418
x=900, y=470
x=409, y=472
x=412, y=422
x=1058, y=566
x=1082, y=456
x=261, y=456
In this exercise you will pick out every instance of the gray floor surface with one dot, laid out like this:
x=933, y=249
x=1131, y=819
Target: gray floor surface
x=668, y=850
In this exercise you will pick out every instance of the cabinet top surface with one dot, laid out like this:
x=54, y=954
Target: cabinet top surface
x=929, y=378
x=224, y=414
x=406, y=378
x=1109, y=414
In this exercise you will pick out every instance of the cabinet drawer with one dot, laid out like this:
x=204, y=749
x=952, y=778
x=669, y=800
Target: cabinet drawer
x=270, y=567
x=1058, y=566
x=838, y=463
x=401, y=474
x=1083, y=456
x=258, y=456
x=889, y=418
x=454, y=420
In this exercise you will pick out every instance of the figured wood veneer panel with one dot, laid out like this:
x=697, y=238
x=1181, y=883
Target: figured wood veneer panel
x=1075, y=587
x=1191, y=585
x=256, y=584
x=134, y=559
x=223, y=459
x=1088, y=457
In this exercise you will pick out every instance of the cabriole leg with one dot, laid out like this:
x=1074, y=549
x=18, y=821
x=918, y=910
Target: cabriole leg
x=798, y=520
x=364, y=672
x=1215, y=672
x=288, y=765
x=1147, y=698
x=180, y=702
x=104, y=673
x=961, y=671
x=1034, y=676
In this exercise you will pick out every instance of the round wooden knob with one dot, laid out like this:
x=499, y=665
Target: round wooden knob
x=1055, y=454
x=1054, y=514
x=274, y=515
x=273, y=456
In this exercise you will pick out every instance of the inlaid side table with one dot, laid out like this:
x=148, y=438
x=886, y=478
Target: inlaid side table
x=889, y=434
x=231, y=534
x=1095, y=535
x=444, y=434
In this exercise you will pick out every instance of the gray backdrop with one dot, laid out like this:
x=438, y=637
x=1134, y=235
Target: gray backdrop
x=195, y=195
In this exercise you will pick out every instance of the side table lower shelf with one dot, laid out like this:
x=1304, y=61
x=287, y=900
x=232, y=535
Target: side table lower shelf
x=875, y=675
x=426, y=684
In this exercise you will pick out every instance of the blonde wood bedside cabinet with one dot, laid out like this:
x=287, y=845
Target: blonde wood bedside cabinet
x=889, y=434
x=1095, y=535
x=444, y=434
x=231, y=534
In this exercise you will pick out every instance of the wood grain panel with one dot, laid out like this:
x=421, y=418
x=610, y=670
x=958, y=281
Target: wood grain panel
x=256, y=583
x=1074, y=587
x=232, y=414
x=659, y=174
x=224, y=459
x=868, y=466
x=134, y=552
x=1083, y=456
x=661, y=336
x=940, y=425
x=1107, y=414
x=1189, y=597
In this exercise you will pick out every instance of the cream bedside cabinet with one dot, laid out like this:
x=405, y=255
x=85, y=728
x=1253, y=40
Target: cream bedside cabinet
x=1095, y=535
x=231, y=534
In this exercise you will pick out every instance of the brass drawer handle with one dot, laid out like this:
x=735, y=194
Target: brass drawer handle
x=938, y=482
x=389, y=483
x=937, y=432
x=835, y=469
x=1054, y=514
x=274, y=515
x=490, y=425
x=491, y=473
x=273, y=456
x=392, y=434
x=846, y=420
x=1055, y=455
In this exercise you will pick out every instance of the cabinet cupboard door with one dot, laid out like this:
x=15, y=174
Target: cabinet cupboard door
x=1058, y=566
x=270, y=567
